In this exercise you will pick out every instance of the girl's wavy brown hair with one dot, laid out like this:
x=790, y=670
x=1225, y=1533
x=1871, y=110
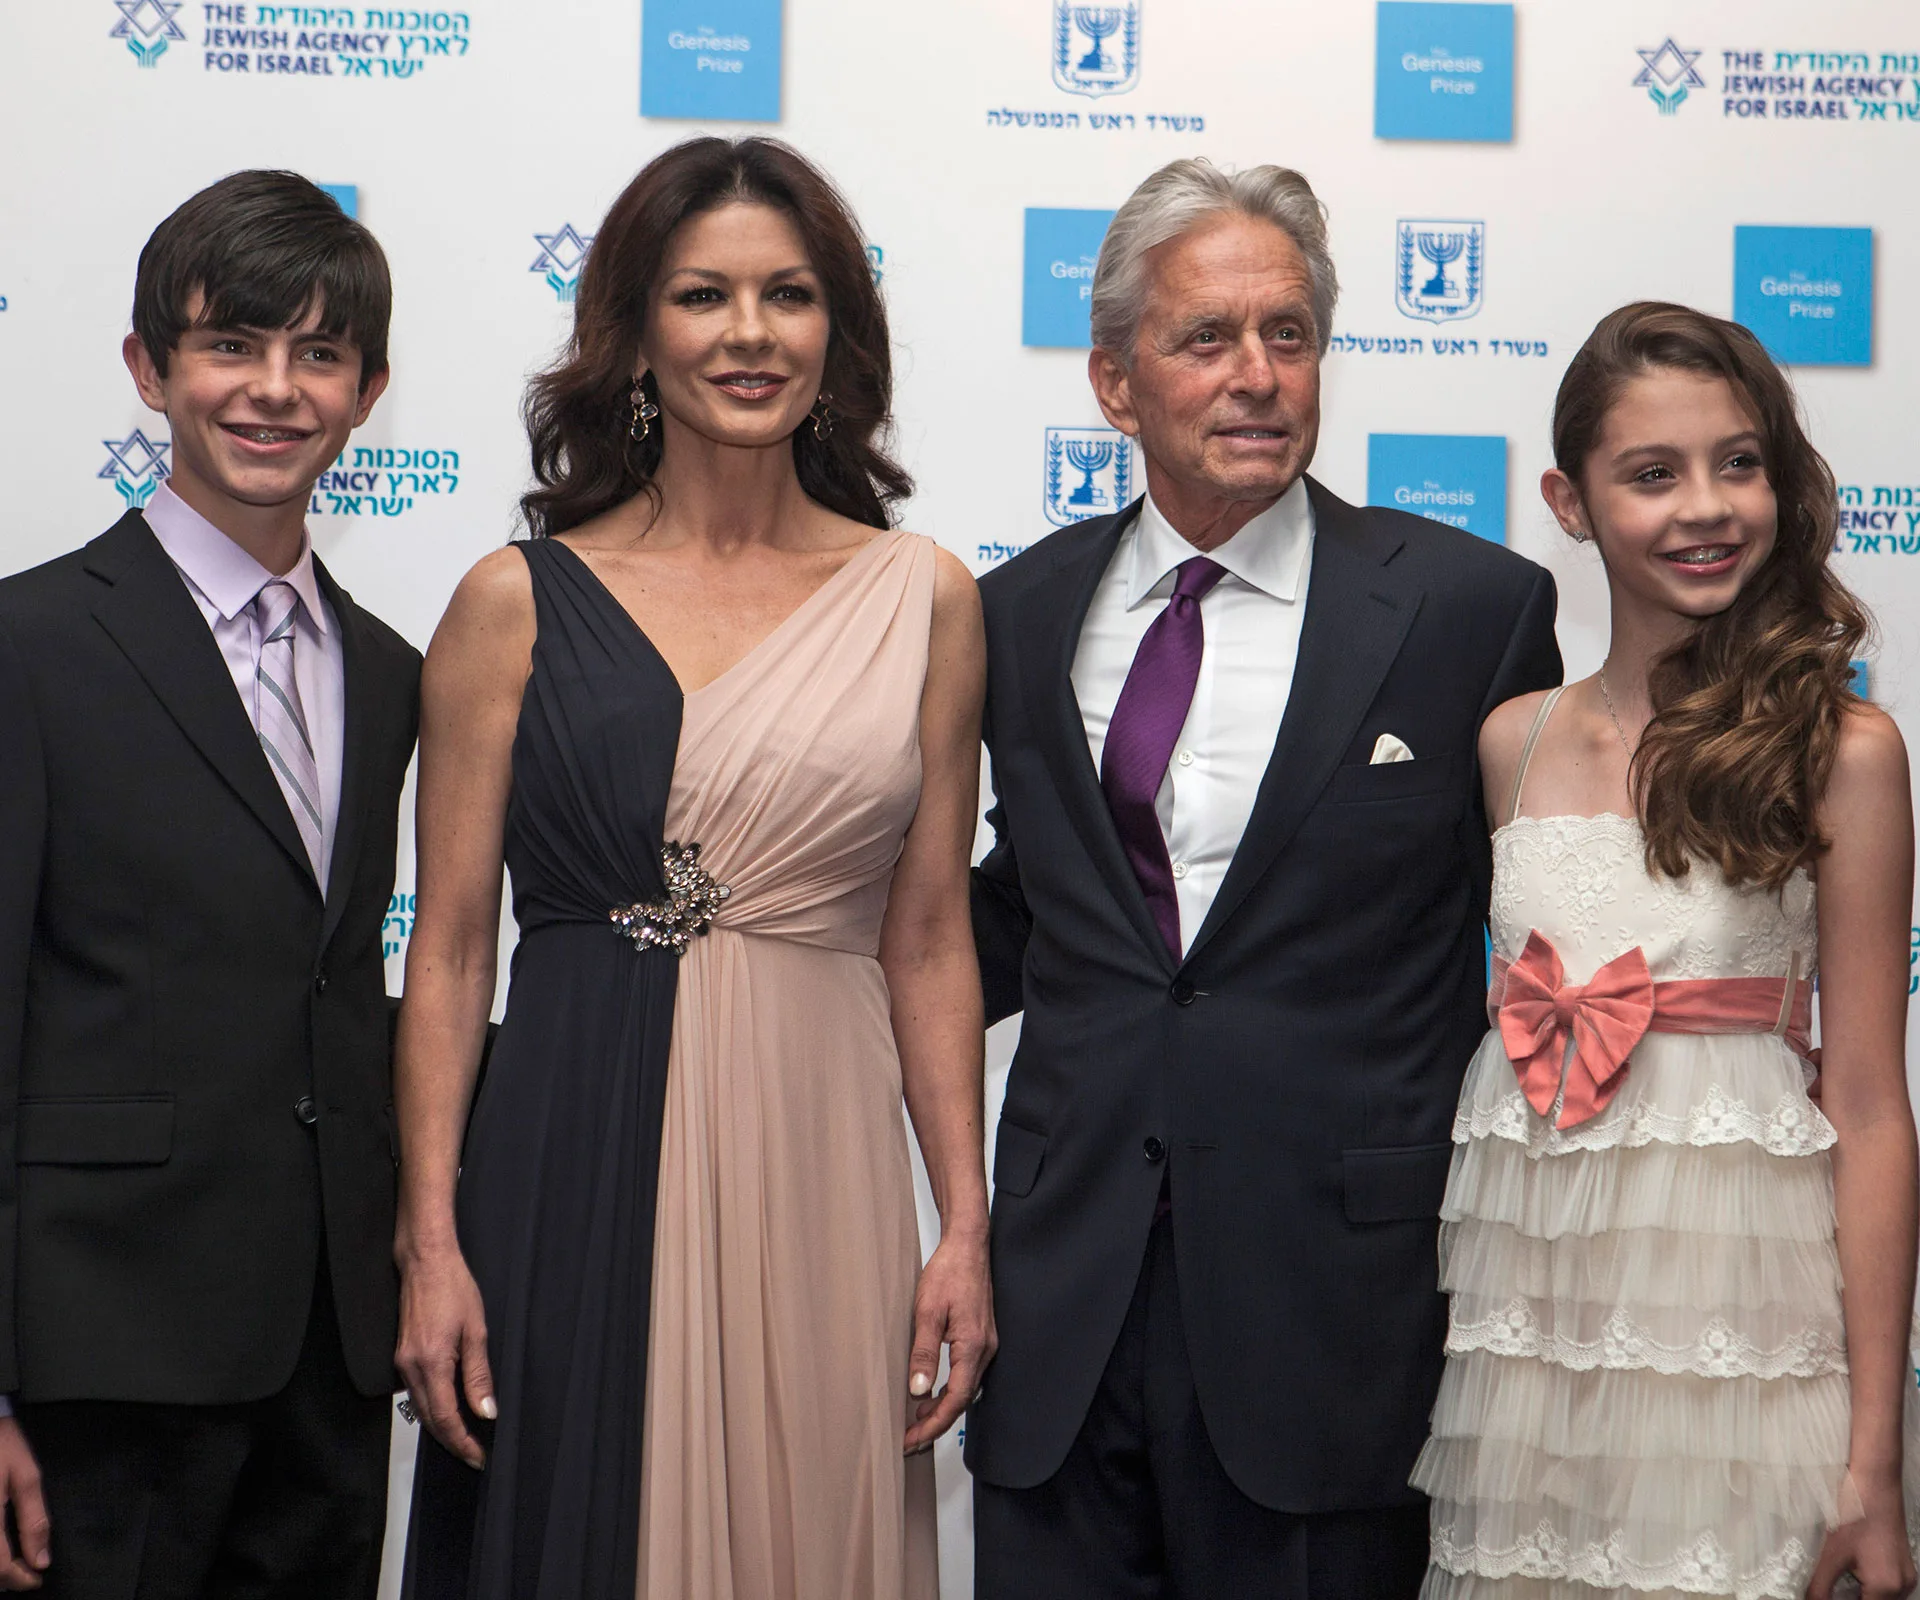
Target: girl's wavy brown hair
x=1747, y=709
x=577, y=412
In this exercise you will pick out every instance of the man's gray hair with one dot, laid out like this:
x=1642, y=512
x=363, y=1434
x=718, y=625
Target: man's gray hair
x=1179, y=197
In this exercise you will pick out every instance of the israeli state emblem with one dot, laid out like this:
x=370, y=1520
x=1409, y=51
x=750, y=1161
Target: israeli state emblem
x=1437, y=272
x=1096, y=49
x=1089, y=473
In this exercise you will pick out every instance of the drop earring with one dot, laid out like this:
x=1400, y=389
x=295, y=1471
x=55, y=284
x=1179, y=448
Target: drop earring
x=640, y=424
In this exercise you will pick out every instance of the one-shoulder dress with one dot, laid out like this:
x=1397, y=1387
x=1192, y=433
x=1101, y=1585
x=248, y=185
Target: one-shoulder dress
x=1646, y=1390
x=686, y=1192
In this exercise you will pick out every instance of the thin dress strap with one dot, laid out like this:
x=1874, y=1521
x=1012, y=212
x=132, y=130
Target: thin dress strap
x=1526, y=750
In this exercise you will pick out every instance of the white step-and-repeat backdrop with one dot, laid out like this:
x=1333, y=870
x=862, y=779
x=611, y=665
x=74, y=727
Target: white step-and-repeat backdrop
x=1498, y=176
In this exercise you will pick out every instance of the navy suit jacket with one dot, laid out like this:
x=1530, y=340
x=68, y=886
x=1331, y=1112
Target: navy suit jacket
x=1296, y=1075
x=195, y=1097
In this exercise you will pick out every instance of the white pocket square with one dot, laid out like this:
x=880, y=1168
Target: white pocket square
x=1388, y=748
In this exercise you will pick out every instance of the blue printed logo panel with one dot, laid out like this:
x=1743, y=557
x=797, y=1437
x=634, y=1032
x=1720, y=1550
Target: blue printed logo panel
x=1057, y=297
x=714, y=60
x=1807, y=293
x=1089, y=473
x=345, y=195
x=1443, y=71
x=1455, y=478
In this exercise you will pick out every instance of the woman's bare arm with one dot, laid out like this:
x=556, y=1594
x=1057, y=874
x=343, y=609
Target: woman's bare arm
x=1866, y=896
x=926, y=950
x=471, y=686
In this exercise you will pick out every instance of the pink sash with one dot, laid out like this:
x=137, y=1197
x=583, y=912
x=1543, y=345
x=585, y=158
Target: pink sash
x=1537, y=1011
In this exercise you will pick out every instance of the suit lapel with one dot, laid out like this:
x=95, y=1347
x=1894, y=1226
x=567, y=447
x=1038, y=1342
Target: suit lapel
x=1358, y=614
x=1047, y=618
x=148, y=612
x=365, y=711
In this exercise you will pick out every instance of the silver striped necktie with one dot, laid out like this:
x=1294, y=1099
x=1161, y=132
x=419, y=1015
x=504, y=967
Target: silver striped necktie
x=283, y=723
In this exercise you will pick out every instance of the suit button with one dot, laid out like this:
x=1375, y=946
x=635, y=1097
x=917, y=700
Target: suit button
x=306, y=1110
x=1182, y=991
x=319, y=983
x=1154, y=1150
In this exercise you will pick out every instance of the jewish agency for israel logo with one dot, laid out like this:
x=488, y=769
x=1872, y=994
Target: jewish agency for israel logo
x=147, y=26
x=1096, y=49
x=1437, y=271
x=561, y=257
x=136, y=464
x=1089, y=473
x=1667, y=74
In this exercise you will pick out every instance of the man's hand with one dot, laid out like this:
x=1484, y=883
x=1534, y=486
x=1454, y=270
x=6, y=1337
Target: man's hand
x=953, y=1306
x=443, y=1340
x=20, y=1489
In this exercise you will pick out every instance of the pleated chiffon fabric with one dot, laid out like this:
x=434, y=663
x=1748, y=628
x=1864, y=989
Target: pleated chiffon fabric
x=786, y=1250
x=556, y=1200
x=686, y=1192
x=1646, y=1391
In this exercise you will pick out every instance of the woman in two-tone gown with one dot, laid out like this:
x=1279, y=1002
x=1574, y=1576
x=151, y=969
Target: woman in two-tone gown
x=671, y=1335
x=1681, y=1284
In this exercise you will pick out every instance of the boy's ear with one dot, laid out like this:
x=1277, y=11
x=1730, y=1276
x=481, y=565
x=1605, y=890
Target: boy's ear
x=146, y=373
x=371, y=391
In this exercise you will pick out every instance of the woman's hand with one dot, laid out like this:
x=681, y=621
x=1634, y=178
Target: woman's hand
x=952, y=1306
x=1874, y=1549
x=443, y=1348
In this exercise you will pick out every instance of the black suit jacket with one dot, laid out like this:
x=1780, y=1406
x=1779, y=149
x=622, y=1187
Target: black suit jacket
x=177, y=999
x=1296, y=1075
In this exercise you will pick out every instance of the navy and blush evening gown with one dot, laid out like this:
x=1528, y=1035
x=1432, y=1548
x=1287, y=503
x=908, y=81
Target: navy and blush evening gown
x=686, y=1192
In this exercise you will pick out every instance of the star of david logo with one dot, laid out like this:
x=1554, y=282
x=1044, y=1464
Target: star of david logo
x=152, y=19
x=1671, y=65
x=563, y=251
x=135, y=456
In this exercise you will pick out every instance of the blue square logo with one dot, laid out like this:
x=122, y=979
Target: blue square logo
x=345, y=195
x=1807, y=293
x=1860, y=679
x=1443, y=71
x=1057, y=299
x=1456, y=478
x=713, y=60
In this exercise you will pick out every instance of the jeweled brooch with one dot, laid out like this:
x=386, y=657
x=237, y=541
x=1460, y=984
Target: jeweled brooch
x=693, y=901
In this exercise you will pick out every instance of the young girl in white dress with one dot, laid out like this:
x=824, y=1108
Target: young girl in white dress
x=1677, y=1356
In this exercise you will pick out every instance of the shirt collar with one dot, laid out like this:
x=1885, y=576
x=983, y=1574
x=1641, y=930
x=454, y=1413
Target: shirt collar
x=219, y=568
x=1268, y=554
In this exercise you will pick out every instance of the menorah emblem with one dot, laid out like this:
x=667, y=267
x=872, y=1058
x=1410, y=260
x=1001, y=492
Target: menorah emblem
x=1104, y=462
x=1087, y=458
x=1096, y=49
x=1098, y=24
x=1442, y=249
x=1439, y=295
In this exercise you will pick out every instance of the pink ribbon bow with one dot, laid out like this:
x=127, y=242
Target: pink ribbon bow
x=1605, y=1018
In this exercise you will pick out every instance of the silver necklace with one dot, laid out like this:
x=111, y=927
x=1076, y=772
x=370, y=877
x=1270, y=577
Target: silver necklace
x=1612, y=715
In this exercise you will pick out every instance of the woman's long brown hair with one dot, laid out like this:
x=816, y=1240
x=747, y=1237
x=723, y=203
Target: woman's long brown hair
x=1747, y=709
x=577, y=412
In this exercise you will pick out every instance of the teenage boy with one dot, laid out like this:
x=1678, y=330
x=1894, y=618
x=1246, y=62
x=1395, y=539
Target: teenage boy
x=202, y=743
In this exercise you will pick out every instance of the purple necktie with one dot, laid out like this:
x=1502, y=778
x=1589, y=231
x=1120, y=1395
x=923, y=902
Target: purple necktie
x=1146, y=725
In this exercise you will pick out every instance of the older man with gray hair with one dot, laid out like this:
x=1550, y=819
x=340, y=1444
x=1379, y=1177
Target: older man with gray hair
x=1238, y=885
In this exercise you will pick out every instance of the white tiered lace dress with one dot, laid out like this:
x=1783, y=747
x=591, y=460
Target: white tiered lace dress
x=1646, y=1385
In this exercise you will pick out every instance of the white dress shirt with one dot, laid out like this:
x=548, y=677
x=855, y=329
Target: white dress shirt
x=223, y=580
x=1251, y=619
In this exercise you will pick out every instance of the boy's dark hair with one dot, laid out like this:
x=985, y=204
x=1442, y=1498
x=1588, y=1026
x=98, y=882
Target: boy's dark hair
x=262, y=248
